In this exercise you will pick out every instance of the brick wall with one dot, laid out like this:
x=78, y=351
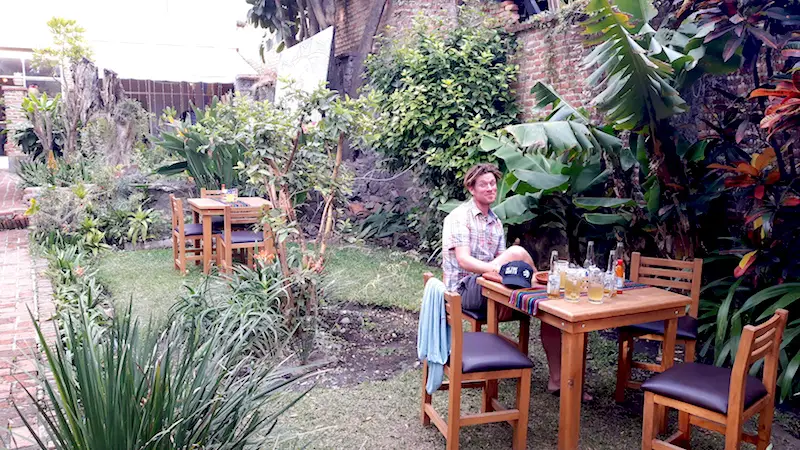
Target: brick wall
x=351, y=18
x=13, y=95
x=551, y=51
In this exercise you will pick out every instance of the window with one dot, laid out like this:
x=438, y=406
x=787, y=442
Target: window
x=16, y=71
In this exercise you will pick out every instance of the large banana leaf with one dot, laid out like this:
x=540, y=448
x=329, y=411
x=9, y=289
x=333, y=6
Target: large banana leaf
x=516, y=209
x=562, y=109
x=636, y=89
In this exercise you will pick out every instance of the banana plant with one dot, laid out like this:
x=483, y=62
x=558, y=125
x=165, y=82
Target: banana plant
x=209, y=149
x=635, y=72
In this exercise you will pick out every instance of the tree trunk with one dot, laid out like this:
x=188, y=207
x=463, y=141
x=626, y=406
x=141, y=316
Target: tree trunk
x=365, y=47
x=316, y=10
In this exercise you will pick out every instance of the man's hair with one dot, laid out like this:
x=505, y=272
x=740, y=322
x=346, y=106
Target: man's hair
x=477, y=171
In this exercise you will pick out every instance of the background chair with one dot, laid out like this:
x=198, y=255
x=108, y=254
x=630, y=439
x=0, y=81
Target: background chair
x=474, y=359
x=216, y=194
x=180, y=232
x=669, y=273
x=251, y=241
x=717, y=398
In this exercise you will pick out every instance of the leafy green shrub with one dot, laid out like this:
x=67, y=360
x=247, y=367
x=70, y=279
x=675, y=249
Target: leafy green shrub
x=187, y=387
x=29, y=143
x=437, y=90
x=140, y=223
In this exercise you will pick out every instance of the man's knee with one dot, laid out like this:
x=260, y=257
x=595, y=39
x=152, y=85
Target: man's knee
x=519, y=253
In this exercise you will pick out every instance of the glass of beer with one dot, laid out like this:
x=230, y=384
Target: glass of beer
x=561, y=268
x=595, y=291
x=572, y=288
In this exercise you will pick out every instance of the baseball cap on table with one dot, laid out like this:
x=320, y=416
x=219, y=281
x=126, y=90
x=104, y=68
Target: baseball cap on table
x=517, y=274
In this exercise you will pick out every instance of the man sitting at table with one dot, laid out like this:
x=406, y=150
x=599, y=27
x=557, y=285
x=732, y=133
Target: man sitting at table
x=473, y=243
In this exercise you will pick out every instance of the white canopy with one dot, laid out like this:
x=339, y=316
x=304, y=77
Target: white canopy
x=165, y=40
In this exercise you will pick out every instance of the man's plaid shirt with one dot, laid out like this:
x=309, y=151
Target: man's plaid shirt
x=467, y=226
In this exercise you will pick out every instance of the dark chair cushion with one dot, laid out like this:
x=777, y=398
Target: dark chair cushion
x=480, y=314
x=217, y=222
x=192, y=229
x=241, y=237
x=687, y=328
x=702, y=385
x=487, y=352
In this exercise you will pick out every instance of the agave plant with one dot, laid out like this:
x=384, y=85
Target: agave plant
x=187, y=387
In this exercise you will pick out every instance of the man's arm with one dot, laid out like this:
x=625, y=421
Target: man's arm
x=471, y=264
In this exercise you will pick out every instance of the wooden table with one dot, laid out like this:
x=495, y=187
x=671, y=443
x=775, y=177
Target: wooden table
x=575, y=320
x=203, y=209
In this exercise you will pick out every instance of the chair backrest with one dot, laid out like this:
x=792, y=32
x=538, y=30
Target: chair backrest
x=248, y=215
x=216, y=194
x=177, y=213
x=670, y=273
x=452, y=308
x=756, y=343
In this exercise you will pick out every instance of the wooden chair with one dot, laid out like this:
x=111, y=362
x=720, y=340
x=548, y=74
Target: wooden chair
x=476, y=358
x=717, y=398
x=216, y=194
x=682, y=275
x=228, y=239
x=180, y=232
x=477, y=319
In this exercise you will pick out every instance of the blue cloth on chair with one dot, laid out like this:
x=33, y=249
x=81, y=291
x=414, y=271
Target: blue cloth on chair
x=433, y=335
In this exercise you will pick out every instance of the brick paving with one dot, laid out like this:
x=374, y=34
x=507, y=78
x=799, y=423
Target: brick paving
x=23, y=288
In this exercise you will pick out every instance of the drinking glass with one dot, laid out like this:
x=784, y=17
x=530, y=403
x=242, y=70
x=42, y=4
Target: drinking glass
x=572, y=289
x=609, y=285
x=596, y=286
x=561, y=268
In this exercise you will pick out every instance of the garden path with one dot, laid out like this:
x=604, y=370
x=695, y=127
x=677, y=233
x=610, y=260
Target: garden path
x=23, y=288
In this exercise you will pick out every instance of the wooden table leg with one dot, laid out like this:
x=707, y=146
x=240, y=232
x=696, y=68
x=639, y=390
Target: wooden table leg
x=569, y=422
x=667, y=361
x=196, y=242
x=492, y=326
x=207, y=246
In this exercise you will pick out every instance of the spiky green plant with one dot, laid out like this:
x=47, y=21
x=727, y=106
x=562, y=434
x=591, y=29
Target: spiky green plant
x=187, y=387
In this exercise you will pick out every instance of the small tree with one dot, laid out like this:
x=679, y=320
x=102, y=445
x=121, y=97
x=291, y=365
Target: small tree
x=69, y=46
x=294, y=156
x=68, y=49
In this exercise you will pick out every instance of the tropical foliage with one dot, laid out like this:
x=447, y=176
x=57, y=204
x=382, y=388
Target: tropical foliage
x=291, y=21
x=210, y=148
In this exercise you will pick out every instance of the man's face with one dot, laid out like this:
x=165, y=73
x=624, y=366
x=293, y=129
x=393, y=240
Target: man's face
x=485, y=189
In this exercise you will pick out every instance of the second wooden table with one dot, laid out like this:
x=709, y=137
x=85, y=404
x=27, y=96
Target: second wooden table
x=203, y=209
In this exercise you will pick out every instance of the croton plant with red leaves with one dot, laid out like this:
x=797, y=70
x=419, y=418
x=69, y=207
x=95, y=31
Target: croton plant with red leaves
x=758, y=180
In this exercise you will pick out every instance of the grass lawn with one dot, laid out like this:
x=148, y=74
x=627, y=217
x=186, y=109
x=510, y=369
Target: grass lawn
x=146, y=278
x=385, y=413
x=376, y=276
